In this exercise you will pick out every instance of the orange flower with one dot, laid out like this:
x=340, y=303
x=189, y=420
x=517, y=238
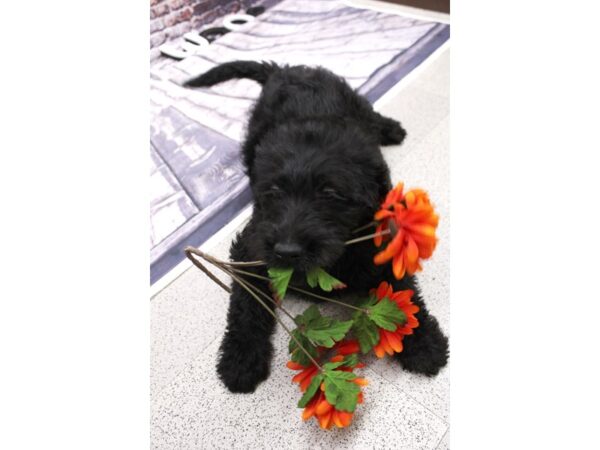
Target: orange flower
x=318, y=406
x=412, y=223
x=325, y=413
x=390, y=342
x=346, y=347
x=306, y=375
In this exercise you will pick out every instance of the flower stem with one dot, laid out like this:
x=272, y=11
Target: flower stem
x=364, y=227
x=191, y=250
x=327, y=299
x=244, y=263
x=270, y=311
x=367, y=237
x=230, y=271
x=265, y=295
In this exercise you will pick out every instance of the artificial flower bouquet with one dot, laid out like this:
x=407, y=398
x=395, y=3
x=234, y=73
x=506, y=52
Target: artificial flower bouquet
x=325, y=351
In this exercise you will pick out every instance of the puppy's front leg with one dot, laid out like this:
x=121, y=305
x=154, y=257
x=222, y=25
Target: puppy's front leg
x=426, y=350
x=246, y=349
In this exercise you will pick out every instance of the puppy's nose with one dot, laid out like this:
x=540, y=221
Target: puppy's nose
x=287, y=249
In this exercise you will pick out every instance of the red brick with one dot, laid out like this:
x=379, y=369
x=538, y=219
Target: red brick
x=175, y=4
x=157, y=38
x=159, y=10
x=170, y=20
x=185, y=15
x=205, y=6
x=156, y=25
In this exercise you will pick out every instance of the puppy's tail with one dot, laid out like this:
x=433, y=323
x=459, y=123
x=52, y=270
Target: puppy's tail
x=236, y=69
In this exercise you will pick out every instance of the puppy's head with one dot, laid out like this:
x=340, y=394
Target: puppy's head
x=313, y=184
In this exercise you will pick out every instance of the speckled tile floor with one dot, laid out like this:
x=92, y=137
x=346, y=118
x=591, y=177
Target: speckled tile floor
x=190, y=408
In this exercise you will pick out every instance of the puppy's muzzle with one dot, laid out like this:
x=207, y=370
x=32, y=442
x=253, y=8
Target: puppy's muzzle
x=288, y=251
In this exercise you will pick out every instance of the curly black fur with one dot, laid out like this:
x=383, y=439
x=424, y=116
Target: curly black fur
x=317, y=173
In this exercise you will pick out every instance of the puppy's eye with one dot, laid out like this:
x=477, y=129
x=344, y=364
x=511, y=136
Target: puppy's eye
x=274, y=190
x=331, y=193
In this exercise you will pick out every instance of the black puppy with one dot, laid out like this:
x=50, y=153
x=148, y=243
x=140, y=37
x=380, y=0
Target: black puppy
x=317, y=173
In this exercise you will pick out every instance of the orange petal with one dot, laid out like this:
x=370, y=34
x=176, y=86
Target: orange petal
x=392, y=248
x=405, y=330
x=360, y=397
x=336, y=419
x=337, y=358
x=394, y=341
x=345, y=417
x=394, y=195
x=361, y=381
x=325, y=420
x=379, y=351
x=402, y=298
x=302, y=375
x=412, y=251
x=309, y=411
x=422, y=229
x=306, y=382
x=323, y=407
x=385, y=344
x=294, y=365
x=348, y=347
x=412, y=322
x=410, y=309
x=383, y=214
x=398, y=266
x=378, y=239
x=381, y=290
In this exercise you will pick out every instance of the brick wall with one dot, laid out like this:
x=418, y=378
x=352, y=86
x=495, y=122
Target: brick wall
x=170, y=19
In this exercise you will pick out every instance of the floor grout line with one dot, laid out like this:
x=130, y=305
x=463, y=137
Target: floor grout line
x=440, y=441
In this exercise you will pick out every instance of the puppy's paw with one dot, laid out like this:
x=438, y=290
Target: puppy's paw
x=243, y=365
x=426, y=351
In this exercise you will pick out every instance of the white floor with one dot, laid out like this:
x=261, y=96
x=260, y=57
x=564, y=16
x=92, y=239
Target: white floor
x=190, y=407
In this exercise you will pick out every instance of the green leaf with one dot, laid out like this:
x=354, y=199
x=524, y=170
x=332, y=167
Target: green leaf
x=297, y=354
x=311, y=313
x=351, y=360
x=368, y=302
x=332, y=365
x=323, y=331
x=340, y=391
x=325, y=281
x=365, y=331
x=280, y=278
x=326, y=332
x=387, y=315
x=311, y=391
x=348, y=361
